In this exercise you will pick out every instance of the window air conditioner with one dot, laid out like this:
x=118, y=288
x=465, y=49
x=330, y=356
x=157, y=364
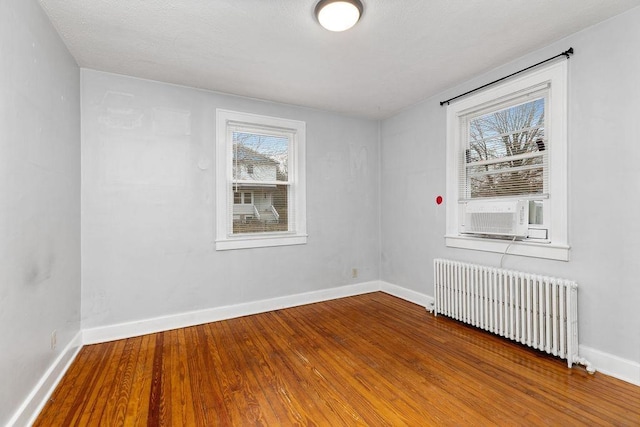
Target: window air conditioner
x=508, y=218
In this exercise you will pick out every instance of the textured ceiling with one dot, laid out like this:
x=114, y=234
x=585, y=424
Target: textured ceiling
x=401, y=52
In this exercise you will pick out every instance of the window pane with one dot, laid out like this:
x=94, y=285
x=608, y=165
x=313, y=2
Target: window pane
x=506, y=155
x=268, y=213
x=509, y=132
x=237, y=198
x=260, y=157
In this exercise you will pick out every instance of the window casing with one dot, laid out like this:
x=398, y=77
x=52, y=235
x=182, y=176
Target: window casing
x=260, y=181
x=510, y=143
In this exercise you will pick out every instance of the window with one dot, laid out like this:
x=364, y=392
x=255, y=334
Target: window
x=242, y=198
x=510, y=143
x=260, y=181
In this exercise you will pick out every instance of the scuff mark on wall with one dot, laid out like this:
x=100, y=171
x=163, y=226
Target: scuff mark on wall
x=358, y=161
x=117, y=111
x=39, y=257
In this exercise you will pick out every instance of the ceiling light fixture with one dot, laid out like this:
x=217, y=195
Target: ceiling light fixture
x=338, y=15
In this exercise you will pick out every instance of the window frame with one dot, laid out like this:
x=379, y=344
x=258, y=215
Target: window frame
x=556, y=247
x=225, y=239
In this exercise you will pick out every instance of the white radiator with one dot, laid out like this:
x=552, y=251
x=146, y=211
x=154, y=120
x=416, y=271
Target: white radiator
x=539, y=311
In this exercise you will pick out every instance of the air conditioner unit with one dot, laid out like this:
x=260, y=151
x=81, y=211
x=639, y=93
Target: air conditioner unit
x=508, y=218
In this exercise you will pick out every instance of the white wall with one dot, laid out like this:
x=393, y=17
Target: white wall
x=604, y=187
x=39, y=199
x=148, y=214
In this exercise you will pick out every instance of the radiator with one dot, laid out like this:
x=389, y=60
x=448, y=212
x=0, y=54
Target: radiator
x=538, y=311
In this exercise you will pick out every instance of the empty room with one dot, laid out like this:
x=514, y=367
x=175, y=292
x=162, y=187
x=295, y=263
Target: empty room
x=319, y=212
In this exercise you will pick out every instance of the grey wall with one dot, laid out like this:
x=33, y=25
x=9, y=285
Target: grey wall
x=604, y=186
x=39, y=199
x=148, y=213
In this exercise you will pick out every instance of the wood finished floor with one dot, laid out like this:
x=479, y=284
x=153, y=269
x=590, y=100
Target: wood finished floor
x=366, y=360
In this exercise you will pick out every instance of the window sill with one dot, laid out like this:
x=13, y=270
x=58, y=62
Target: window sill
x=528, y=249
x=260, y=241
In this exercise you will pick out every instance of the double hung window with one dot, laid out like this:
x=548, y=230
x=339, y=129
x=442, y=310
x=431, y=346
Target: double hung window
x=505, y=144
x=260, y=181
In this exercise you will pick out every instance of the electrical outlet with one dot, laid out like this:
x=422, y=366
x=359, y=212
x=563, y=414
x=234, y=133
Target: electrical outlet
x=54, y=339
x=354, y=273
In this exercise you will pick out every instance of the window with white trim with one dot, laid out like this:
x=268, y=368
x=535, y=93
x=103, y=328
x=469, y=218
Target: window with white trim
x=507, y=146
x=260, y=181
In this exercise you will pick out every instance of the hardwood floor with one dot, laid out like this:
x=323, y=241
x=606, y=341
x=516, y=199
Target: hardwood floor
x=366, y=360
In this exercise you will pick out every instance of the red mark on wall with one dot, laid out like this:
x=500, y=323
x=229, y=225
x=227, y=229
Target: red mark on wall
x=439, y=200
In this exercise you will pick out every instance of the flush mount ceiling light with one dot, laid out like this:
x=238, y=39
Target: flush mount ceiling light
x=338, y=15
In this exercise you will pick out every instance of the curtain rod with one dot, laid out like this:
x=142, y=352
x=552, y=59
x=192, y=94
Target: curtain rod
x=566, y=53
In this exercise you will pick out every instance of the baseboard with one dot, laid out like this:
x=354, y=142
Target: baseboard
x=182, y=320
x=35, y=401
x=407, y=294
x=608, y=364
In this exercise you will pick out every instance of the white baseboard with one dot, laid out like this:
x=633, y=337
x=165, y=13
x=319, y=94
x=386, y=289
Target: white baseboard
x=608, y=364
x=192, y=318
x=407, y=294
x=35, y=401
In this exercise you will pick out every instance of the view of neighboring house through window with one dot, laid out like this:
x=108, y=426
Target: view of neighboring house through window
x=260, y=185
x=260, y=181
x=508, y=143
